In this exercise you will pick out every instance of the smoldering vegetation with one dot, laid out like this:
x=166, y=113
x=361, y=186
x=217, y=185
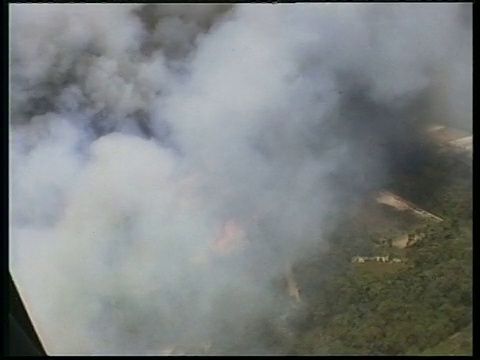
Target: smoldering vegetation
x=168, y=160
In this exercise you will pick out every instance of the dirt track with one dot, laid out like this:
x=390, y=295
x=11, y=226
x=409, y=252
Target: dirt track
x=292, y=286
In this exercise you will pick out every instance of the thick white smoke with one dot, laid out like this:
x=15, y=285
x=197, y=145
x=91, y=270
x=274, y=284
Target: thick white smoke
x=138, y=132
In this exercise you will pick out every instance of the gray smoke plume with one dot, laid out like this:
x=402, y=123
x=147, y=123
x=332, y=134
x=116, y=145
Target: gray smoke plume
x=167, y=161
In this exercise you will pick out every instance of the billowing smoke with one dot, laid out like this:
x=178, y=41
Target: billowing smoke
x=167, y=161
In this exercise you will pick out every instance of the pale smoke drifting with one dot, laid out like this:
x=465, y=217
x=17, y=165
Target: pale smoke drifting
x=140, y=132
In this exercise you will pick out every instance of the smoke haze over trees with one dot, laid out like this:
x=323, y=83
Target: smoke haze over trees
x=139, y=131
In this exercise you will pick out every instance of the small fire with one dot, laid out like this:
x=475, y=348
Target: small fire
x=229, y=238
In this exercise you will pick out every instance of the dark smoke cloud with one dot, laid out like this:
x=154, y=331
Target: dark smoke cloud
x=142, y=133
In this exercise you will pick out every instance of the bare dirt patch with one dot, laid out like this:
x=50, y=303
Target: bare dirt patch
x=387, y=198
x=395, y=201
x=379, y=269
x=443, y=134
x=401, y=242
